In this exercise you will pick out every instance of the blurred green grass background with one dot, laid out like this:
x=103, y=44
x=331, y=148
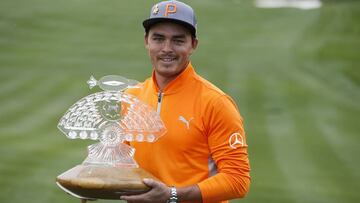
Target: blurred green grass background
x=294, y=74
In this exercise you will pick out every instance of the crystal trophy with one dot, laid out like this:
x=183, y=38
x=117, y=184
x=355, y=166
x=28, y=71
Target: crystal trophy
x=112, y=117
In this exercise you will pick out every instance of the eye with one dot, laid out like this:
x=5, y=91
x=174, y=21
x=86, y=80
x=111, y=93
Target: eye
x=179, y=41
x=157, y=39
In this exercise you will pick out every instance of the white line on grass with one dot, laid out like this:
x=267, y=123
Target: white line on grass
x=300, y=4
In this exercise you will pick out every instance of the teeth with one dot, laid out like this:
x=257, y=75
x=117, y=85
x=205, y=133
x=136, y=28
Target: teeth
x=167, y=59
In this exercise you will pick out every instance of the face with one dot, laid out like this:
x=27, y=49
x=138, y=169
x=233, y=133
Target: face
x=170, y=46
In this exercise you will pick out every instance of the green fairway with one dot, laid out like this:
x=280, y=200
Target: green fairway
x=295, y=75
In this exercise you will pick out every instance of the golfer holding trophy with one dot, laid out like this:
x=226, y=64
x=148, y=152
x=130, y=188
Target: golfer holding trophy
x=188, y=134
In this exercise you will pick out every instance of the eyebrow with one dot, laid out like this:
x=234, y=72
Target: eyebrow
x=158, y=35
x=175, y=36
x=179, y=36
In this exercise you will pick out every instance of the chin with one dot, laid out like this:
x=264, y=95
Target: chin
x=167, y=71
x=165, y=68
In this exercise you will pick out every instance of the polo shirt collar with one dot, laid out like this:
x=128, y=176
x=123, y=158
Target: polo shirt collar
x=178, y=83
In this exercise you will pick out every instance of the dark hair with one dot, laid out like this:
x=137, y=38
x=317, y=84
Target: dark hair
x=188, y=27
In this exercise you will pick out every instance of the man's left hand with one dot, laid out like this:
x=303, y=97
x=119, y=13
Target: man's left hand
x=159, y=193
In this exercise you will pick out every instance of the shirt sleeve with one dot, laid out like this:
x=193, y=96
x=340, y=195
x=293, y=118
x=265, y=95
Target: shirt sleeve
x=228, y=148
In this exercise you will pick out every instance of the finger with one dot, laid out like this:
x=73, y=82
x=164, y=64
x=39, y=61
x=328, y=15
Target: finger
x=150, y=182
x=132, y=198
x=136, y=198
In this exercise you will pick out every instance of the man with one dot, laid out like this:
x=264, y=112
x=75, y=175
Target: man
x=203, y=155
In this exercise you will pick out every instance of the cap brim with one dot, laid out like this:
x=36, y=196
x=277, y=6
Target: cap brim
x=148, y=23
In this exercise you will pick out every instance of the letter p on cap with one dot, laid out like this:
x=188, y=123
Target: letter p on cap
x=170, y=8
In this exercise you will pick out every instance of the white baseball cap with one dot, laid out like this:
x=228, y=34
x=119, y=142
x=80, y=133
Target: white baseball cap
x=173, y=11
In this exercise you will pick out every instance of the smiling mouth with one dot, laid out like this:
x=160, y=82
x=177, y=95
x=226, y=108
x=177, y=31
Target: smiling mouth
x=167, y=59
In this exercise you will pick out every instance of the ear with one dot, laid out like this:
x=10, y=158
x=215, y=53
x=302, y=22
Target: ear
x=146, y=40
x=194, y=44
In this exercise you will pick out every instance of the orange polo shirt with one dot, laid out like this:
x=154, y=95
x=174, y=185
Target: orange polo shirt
x=205, y=141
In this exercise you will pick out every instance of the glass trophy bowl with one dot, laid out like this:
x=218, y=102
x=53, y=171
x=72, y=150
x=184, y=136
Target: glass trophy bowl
x=112, y=117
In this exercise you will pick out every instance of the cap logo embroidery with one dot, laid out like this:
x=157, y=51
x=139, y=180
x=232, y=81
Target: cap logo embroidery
x=155, y=9
x=236, y=140
x=170, y=8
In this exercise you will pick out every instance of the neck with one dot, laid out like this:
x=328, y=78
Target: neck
x=163, y=81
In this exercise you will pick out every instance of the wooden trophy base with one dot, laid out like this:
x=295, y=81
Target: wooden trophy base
x=103, y=182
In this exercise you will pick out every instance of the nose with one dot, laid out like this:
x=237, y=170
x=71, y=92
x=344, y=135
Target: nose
x=167, y=46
